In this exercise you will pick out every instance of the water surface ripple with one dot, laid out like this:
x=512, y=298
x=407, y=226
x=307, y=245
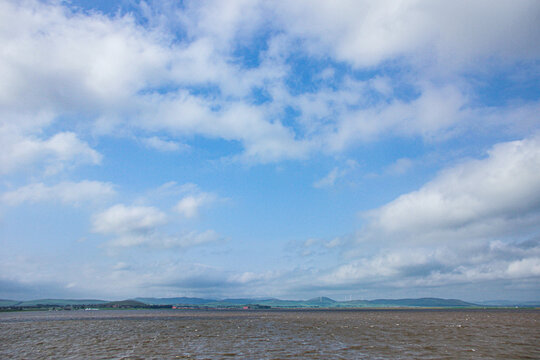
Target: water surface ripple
x=343, y=334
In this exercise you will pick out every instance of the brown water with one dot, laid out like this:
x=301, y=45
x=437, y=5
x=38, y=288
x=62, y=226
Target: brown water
x=178, y=334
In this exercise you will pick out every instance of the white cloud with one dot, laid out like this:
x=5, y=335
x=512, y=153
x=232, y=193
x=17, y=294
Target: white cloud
x=252, y=278
x=121, y=266
x=400, y=166
x=444, y=233
x=366, y=33
x=190, y=205
x=329, y=179
x=60, y=60
x=170, y=190
x=419, y=270
x=263, y=140
x=336, y=173
x=524, y=267
x=191, y=198
x=65, y=192
x=120, y=220
x=134, y=226
x=110, y=72
x=494, y=196
x=162, y=241
x=435, y=114
x=64, y=148
x=421, y=266
x=159, y=144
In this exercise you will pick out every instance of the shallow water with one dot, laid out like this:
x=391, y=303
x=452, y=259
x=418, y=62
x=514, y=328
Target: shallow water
x=289, y=334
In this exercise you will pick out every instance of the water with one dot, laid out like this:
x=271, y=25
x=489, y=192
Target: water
x=179, y=334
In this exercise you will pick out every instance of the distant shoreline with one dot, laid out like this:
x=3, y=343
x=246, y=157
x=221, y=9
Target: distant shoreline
x=275, y=309
x=318, y=303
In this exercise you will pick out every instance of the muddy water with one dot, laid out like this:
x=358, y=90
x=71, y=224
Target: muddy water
x=179, y=334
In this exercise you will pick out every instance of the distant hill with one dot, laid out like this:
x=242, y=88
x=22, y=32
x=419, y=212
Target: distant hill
x=422, y=302
x=51, y=302
x=321, y=300
x=245, y=301
x=510, y=303
x=4, y=302
x=124, y=303
x=174, y=301
x=316, y=302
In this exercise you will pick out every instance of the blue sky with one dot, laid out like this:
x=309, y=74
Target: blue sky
x=270, y=149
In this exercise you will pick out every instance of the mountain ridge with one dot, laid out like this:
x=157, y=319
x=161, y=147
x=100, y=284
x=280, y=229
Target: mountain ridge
x=316, y=302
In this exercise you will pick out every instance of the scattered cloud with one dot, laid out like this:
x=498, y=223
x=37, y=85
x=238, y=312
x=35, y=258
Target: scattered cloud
x=336, y=173
x=54, y=154
x=133, y=226
x=66, y=192
x=172, y=189
x=163, y=241
x=120, y=266
x=121, y=219
x=119, y=77
x=366, y=33
x=422, y=270
x=400, y=166
x=159, y=144
x=189, y=206
x=265, y=82
x=330, y=179
x=194, y=199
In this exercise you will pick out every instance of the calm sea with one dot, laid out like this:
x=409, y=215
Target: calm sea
x=186, y=334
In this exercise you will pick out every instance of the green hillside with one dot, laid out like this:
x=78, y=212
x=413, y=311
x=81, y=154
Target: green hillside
x=60, y=302
x=422, y=302
x=174, y=301
x=317, y=302
x=124, y=304
x=4, y=302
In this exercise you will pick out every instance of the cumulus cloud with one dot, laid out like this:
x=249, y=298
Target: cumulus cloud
x=194, y=199
x=62, y=149
x=366, y=33
x=436, y=114
x=189, y=205
x=121, y=219
x=65, y=192
x=109, y=70
x=60, y=60
x=133, y=226
x=477, y=198
x=120, y=77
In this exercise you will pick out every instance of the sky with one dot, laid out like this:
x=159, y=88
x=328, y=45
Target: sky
x=252, y=148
